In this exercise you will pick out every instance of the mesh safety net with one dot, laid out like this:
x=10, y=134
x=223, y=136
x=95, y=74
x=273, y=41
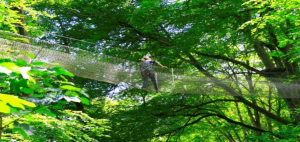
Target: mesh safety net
x=113, y=70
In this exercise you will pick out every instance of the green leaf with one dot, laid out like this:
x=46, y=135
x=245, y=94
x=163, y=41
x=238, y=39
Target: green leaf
x=13, y=100
x=273, y=54
x=283, y=43
x=45, y=81
x=1, y=17
x=27, y=128
x=16, y=104
x=85, y=94
x=17, y=85
x=71, y=88
x=54, y=64
x=20, y=131
x=12, y=109
x=85, y=100
x=71, y=93
x=32, y=79
x=60, y=70
x=21, y=62
x=31, y=55
x=57, y=107
x=64, y=82
x=27, y=90
x=4, y=108
x=38, y=63
x=44, y=111
x=5, y=60
x=10, y=66
x=26, y=103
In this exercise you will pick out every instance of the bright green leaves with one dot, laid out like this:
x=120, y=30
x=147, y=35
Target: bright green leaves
x=280, y=17
x=74, y=91
x=19, y=131
x=7, y=101
x=71, y=126
x=38, y=63
x=11, y=66
x=47, y=82
x=21, y=63
x=31, y=55
x=61, y=71
x=24, y=79
x=4, y=107
x=71, y=88
x=27, y=90
x=11, y=18
x=1, y=18
x=16, y=86
x=276, y=54
x=85, y=100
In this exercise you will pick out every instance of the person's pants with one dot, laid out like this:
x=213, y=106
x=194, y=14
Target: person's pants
x=146, y=74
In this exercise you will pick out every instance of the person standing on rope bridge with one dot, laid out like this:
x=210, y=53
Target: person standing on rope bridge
x=147, y=72
x=142, y=61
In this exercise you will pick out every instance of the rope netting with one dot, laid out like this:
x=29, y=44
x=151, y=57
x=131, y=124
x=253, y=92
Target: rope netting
x=113, y=70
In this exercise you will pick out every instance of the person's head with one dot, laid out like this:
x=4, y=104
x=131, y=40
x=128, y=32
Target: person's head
x=142, y=60
x=146, y=58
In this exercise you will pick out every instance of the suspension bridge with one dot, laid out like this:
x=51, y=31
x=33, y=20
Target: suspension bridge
x=101, y=67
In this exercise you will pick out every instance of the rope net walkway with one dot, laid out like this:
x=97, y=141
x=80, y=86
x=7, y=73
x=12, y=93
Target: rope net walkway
x=113, y=70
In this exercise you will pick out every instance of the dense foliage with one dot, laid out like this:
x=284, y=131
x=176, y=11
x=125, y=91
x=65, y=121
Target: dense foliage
x=249, y=39
x=52, y=94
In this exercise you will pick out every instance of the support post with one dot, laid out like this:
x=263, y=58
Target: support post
x=173, y=78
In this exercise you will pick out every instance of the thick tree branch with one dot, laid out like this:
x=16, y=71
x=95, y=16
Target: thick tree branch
x=265, y=58
x=228, y=59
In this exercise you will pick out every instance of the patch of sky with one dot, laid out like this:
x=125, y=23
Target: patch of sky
x=172, y=29
x=121, y=86
x=168, y=2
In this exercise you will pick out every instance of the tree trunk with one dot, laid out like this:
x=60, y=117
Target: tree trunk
x=289, y=92
x=21, y=28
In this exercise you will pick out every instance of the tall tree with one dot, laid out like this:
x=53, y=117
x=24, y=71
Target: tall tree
x=241, y=39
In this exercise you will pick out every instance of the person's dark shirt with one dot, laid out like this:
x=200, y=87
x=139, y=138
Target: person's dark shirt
x=147, y=65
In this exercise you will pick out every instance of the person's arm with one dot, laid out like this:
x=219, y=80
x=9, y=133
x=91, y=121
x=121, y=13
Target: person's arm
x=161, y=65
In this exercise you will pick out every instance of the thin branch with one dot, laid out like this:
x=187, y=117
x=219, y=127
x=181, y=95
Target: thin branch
x=124, y=24
x=225, y=135
x=177, y=129
x=222, y=117
x=206, y=103
x=20, y=117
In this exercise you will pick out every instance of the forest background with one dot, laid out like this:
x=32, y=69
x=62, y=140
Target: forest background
x=252, y=39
